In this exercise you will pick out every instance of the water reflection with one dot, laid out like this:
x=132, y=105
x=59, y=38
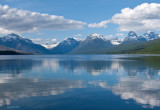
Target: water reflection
x=129, y=78
x=132, y=68
x=17, y=66
x=92, y=67
x=18, y=88
x=143, y=91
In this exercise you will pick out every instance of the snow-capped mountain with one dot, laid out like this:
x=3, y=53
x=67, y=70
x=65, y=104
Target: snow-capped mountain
x=132, y=36
x=93, y=42
x=14, y=37
x=65, y=46
x=69, y=42
x=94, y=36
x=23, y=44
x=150, y=36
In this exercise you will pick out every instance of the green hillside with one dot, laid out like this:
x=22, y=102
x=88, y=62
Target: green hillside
x=150, y=47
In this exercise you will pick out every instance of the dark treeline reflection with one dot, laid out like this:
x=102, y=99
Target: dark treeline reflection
x=132, y=67
x=17, y=66
x=92, y=67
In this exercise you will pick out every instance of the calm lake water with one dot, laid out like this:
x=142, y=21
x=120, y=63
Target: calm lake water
x=80, y=82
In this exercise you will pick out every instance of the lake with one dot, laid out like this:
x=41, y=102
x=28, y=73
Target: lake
x=80, y=82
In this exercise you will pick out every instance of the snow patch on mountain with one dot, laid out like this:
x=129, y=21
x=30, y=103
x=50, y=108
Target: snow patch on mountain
x=151, y=36
x=68, y=41
x=116, y=41
x=95, y=36
x=50, y=46
x=133, y=36
x=15, y=37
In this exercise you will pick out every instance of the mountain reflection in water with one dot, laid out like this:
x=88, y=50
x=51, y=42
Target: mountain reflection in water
x=130, y=78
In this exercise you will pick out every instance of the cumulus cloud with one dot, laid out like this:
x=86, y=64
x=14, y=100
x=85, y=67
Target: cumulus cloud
x=99, y=25
x=21, y=21
x=143, y=17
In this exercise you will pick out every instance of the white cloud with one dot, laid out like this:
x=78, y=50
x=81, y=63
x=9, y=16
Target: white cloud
x=99, y=25
x=78, y=35
x=21, y=21
x=44, y=41
x=120, y=34
x=47, y=43
x=109, y=37
x=143, y=17
x=54, y=40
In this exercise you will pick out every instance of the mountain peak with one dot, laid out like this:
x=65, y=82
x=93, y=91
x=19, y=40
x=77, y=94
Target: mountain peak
x=150, y=35
x=70, y=38
x=131, y=33
x=68, y=41
x=132, y=36
x=149, y=32
x=12, y=36
x=65, y=46
x=15, y=37
x=95, y=36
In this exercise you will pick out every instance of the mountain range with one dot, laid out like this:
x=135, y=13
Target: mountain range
x=149, y=42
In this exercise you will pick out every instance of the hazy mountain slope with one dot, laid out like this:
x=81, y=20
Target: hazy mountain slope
x=9, y=51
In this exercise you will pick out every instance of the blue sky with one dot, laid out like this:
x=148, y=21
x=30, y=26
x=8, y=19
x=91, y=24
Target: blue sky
x=88, y=11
